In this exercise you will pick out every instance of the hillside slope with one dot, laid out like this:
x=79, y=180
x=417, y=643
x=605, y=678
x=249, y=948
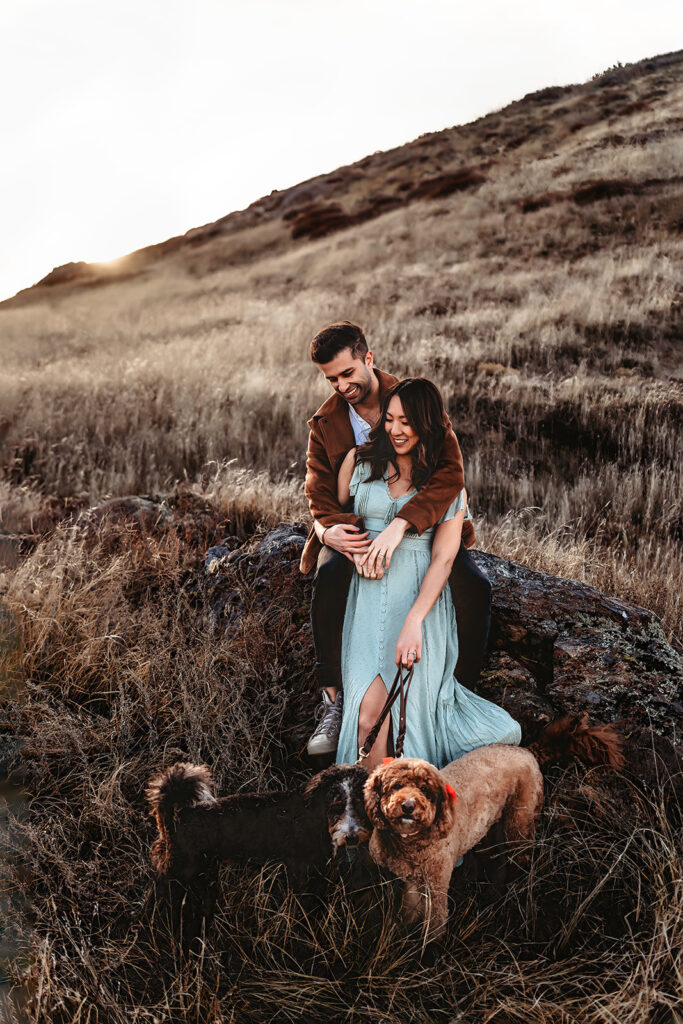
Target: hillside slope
x=432, y=166
x=528, y=262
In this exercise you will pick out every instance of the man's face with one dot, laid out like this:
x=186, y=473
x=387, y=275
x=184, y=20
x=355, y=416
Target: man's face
x=350, y=376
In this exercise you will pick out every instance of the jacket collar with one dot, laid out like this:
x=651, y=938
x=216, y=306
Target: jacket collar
x=335, y=402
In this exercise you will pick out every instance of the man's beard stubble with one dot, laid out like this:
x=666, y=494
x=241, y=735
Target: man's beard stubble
x=364, y=390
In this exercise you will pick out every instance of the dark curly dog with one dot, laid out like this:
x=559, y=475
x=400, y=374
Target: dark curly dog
x=302, y=829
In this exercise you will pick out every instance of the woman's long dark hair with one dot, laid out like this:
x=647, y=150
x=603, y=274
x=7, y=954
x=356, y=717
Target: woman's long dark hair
x=424, y=410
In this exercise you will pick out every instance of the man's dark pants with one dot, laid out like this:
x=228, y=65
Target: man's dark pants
x=471, y=592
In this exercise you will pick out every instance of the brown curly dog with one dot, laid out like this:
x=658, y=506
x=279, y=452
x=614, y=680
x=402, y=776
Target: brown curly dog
x=426, y=819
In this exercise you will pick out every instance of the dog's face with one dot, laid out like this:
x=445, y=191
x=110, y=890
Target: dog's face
x=409, y=797
x=341, y=788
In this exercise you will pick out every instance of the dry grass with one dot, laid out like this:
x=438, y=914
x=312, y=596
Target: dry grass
x=581, y=418
x=125, y=676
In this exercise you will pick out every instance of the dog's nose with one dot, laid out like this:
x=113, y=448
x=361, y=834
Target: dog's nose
x=352, y=840
x=408, y=806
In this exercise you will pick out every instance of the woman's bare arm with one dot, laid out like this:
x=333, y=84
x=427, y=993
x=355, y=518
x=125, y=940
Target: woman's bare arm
x=344, y=478
x=444, y=549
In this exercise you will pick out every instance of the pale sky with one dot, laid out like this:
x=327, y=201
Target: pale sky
x=126, y=122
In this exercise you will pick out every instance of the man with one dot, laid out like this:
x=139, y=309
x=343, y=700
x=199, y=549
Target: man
x=342, y=422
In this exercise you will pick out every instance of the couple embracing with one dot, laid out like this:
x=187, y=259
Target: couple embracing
x=394, y=582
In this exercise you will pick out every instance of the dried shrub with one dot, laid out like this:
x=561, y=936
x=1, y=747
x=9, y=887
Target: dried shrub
x=438, y=308
x=597, y=190
x=320, y=220
x=448, y=183
x=636, y=107
x=534, y=203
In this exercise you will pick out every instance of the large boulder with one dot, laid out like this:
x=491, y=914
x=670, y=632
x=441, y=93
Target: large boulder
x=582, y=650
x=556, y=646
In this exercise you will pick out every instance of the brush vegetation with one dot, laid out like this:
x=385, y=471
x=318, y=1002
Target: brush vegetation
x=126, y=675
x=541, y=291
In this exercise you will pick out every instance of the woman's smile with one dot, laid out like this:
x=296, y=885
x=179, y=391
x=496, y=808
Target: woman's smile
x=401, y=434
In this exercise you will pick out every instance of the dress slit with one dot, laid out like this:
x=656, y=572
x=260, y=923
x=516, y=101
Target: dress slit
x=390, y=734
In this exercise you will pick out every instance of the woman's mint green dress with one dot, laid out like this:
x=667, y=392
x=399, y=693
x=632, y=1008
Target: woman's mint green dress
x=445, y=720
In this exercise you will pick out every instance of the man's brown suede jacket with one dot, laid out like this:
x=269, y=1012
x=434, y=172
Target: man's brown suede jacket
x=331, y=437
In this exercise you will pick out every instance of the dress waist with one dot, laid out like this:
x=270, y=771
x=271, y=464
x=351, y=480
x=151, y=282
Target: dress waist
x=409, y=542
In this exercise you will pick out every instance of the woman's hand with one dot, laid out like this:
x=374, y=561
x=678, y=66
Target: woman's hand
x=409, y=643
x=378, y=556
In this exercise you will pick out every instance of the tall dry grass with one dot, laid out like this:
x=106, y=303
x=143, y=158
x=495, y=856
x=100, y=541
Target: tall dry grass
x=557, y=405
x=125, y=675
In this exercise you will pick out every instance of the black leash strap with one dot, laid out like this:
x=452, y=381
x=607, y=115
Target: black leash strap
x=399, y=688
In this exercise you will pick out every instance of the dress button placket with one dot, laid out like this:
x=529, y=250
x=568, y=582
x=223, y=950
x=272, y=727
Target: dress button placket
x=382, y=616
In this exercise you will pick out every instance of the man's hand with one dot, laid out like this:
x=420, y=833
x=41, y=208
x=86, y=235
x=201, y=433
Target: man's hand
x=348, y=540
x=409, y=643
x=378, y=556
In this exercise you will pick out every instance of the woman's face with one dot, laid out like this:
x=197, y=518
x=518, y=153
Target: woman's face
x=401, y=434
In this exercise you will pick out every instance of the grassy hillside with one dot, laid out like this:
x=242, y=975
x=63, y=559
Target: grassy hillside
x=529, y=262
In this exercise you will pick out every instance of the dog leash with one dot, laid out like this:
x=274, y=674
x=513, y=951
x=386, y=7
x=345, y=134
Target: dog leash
x=399, y=688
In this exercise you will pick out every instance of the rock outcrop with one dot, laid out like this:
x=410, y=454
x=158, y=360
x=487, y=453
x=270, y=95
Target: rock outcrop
x=556, y=647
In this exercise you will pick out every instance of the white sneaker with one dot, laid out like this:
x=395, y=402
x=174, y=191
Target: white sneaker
x=328, y=715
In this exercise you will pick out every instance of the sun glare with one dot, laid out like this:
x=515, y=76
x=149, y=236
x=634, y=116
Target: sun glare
x=106, y=259
x=113, y=264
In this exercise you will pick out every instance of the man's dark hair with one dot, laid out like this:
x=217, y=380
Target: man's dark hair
x=334, y=338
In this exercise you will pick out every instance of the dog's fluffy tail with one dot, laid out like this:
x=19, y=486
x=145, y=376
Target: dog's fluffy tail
x=183, y=785
x=573, y=739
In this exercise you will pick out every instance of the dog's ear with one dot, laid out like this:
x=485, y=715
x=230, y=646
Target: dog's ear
x=372, y=791
x=445, y=810
x=315, y=787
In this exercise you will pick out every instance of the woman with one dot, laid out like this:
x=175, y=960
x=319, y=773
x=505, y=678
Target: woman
x=404, y=615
